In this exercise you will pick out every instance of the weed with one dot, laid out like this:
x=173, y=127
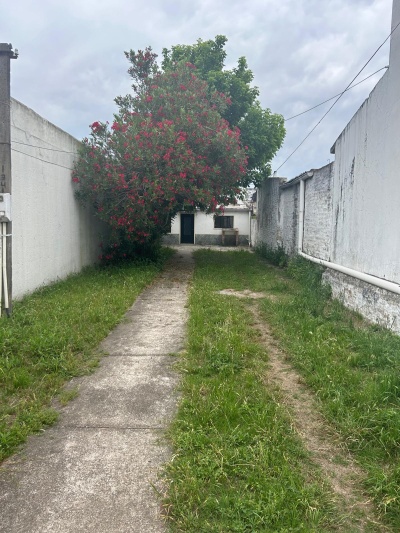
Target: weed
x=276, y=256
x=67, y=395
x=354, y=370
x=238, y=466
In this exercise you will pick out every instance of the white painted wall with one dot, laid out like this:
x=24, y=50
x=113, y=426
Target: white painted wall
x=204, y=223
x=352, y=209
x=52, y=235
x=366, y=193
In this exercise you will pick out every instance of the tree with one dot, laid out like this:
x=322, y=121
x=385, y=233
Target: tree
x=261, y=131
x=168, y=149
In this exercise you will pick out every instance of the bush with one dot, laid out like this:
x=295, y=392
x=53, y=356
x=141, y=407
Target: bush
x=275, y=256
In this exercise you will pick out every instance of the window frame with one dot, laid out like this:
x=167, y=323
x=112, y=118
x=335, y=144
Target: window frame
x=224, y=222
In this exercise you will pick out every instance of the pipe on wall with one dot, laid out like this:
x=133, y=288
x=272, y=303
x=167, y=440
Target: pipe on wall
x=301, y=216
x=373, y=280
x=4, y=266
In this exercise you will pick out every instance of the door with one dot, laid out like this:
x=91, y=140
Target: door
x=187, y=229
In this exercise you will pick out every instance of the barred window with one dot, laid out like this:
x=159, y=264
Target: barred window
x=223, y=222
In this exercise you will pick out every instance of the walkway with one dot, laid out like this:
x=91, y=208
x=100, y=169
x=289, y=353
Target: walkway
x=94, y=470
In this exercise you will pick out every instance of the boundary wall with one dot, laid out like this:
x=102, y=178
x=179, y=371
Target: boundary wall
x=53, y=236
x=278, y=223
x=350, y=216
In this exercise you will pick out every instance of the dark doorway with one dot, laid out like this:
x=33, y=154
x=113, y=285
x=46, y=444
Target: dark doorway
x=187, y=229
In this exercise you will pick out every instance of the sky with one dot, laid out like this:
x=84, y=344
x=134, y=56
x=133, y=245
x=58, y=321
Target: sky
x=71, y=62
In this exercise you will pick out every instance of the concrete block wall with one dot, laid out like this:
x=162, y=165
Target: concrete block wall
x=287, y=218
x=318, y=213
x=278, y=213
x=53, y=236
x=265, y=230
x=375, y=304
x=352, y=215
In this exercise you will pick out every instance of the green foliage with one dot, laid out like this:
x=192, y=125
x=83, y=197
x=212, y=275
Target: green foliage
x=208, y=56
x=275, y=256
x=262, y=132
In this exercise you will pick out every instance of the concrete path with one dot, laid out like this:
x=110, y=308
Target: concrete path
x=94, y=470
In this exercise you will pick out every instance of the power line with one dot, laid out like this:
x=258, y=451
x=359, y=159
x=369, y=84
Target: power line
x=39, y=159
x=338, y=98
x=44, y=148
x=332, y=97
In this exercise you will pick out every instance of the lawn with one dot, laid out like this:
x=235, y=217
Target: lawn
x=238, y=463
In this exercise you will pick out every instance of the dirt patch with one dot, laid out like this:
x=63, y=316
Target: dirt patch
x=247, y=294
x=320, y=439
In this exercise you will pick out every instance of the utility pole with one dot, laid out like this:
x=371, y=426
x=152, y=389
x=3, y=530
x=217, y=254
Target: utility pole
x=6, y=53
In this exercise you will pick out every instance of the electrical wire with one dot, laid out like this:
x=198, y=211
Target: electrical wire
x=44, y=147
x=338, y=98
x=332, y=97
x=39, y=159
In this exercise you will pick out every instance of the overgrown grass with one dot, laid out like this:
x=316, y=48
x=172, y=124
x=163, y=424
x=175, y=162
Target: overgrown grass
x=51, y=337
x=275, y=256
x=354, y=369
x=238, y=466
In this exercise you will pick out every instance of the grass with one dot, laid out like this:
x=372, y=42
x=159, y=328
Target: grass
x=354, y=370
x=51, y=337
x=275, y=256
x=238, y=465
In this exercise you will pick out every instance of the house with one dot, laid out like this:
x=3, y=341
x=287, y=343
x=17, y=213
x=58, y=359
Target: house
x=232, y=228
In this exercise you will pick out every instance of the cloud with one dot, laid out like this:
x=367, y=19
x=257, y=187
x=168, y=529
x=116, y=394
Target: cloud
x=71, y=63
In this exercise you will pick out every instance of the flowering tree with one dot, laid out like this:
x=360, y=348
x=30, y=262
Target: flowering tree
x=169, y=149
x=262, y=131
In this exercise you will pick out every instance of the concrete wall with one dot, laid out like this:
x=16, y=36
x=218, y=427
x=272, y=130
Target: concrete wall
x=352, y=207
x=266, y=227
x=288, y=214
x=321, y=235
x=278, y=213
x=366, y=197
x=52, y=235
x=318, y=215
x=206, y=234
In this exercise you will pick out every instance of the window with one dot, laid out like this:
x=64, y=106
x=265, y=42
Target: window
x=223, y=222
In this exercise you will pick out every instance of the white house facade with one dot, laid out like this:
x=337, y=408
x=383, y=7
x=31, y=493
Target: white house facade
x=232, y=228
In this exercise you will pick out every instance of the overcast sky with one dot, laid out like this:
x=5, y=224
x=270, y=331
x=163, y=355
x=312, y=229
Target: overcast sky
x=71, y=63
